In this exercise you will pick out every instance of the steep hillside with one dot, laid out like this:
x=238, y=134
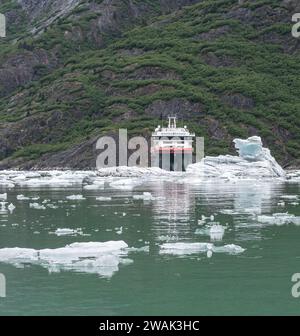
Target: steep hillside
x=73, y=70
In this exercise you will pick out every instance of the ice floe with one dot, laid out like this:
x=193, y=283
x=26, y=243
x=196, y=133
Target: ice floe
x=93, y=257
x=195, y=248
x=75, y=197
x=103, y=198
x=290, y=197
x=68, y=232
x=37, y=206
x=147, y=196
x=26, y=198
x=279, y=219
x=131, y=172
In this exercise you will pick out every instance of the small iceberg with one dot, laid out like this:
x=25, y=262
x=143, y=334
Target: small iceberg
x=75, y=197
x=254, y=161
x=25, y=198
x=103, y=198
x=146, y=196
x=195, y=248
x=68, y=232
x=37, y=206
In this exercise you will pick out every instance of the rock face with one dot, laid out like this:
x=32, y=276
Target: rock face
x=24, y=67
x=50, y=9
x=180, y=107
x=71, y=70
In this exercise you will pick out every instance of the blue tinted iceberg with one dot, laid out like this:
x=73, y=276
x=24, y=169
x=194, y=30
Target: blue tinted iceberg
x=250, y=149
x=254, y=161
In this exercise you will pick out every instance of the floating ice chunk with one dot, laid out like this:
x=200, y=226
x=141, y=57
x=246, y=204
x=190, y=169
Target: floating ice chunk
x=52, y=206
x=3, y=197
x=37, y=206
x=68, y=232
x=16, y=254
x=289, y=197
x=194, y=248
x=140, y=249
x=279, y=219
x=231, y=249
x=254, y=162
x=24, y=198
x=184, y=248
x=146, y=196
x=131, y=172
x=11, y=208
x=103, y=198
x=97, y=258
x=75, y=197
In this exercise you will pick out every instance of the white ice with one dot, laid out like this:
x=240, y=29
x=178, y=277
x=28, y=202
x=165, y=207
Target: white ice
x=146, y=196
x=254, y=161
x=75, y=197
x=195, y=248
x=279, y=219
x=37, y=206
x=25, y=198
x=93, y=257
x=103, y=198
x=68, y=232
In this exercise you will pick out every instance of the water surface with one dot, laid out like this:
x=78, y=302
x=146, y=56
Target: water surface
x=257, y=281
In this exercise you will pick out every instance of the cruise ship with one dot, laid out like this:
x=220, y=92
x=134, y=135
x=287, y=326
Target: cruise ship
x=172, y=146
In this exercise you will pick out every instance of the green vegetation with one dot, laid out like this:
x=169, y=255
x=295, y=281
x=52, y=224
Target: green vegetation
x=104, y=83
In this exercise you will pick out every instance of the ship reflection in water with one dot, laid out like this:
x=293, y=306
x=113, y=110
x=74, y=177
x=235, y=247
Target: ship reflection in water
x=177, y=207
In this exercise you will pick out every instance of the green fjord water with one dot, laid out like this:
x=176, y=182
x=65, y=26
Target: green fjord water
x=257, y=281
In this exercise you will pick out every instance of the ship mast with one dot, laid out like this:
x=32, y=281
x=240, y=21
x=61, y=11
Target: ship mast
x=172, y=121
